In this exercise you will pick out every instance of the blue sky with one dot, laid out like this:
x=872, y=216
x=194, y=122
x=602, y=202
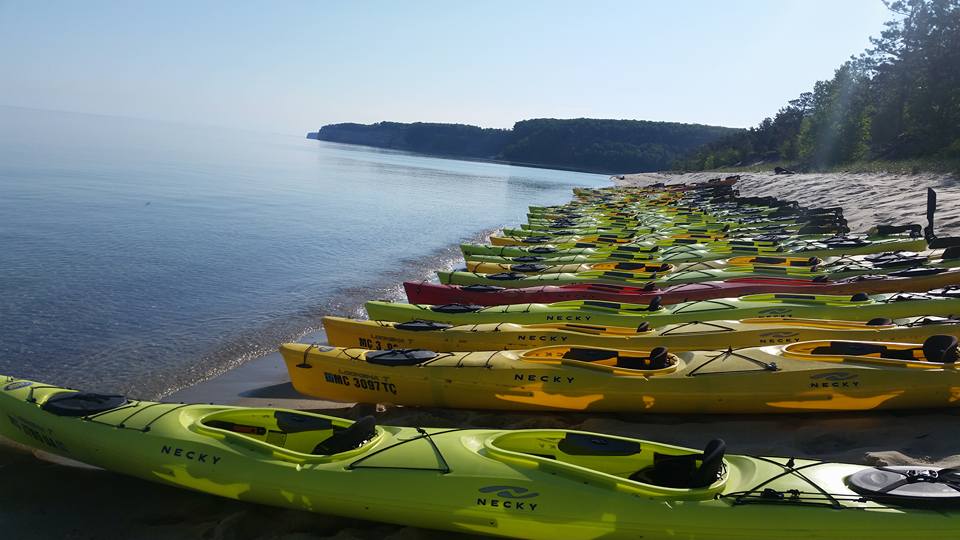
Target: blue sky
x=291, y=66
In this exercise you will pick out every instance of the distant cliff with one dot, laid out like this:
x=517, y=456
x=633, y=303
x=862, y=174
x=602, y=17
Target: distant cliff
x=584, y=144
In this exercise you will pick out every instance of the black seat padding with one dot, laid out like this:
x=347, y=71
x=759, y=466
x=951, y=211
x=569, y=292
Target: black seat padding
x=82, y=403
x=940, y=348
x=589, y=355
x=859, y=348
x=712, y=464
x=682, y=471
x=659, y=359
x=349, y=438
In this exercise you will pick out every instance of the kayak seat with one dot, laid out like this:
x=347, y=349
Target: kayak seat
x=941, y=348
x=348, y=438
x=682, y=471
x=542, y=250
x=937, y=348
x=659, y=359
x=400, y=357
x=82, y=403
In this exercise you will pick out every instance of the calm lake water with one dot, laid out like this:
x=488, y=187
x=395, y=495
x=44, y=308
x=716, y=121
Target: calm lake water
x=141, y=257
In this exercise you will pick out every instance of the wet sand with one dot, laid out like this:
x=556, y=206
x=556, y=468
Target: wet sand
x=45, y=500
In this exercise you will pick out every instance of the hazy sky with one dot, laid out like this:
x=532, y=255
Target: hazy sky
x=289, y=66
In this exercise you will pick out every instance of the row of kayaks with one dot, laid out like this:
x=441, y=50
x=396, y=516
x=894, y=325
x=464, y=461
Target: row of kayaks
x=767, y=330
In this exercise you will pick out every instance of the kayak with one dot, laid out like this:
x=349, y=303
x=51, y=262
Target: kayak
x=670, y=275
x=531, y=483
x=720, y=334
x=809, y=248
x=806, y=263
x=652, y=266
x=911, y=280
x=858, y=307
x=804, y=377
x=533, y=274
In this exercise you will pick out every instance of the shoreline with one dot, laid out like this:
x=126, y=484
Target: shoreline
x=868, y=199
x=474, y=159
x=261, y=382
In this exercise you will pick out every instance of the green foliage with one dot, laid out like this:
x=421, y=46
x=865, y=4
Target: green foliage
x=585, y=144
x=441, y=139
x=606, y=145
x=898, y=100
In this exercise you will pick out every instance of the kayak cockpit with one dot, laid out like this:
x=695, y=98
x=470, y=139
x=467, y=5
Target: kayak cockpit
x=656, y=361
x=935, y=352
x=620, y=463
x=596, y=330
x=294, y=435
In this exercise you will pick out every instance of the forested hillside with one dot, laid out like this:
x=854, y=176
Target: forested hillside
x=607, y=145
x=443, y=139
x=584, y=144
x=898, y=100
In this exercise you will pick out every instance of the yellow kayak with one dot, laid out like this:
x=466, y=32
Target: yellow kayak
x=442, y=337
x=809, y=376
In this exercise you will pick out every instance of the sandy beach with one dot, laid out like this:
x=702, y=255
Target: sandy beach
x=867, y=199
x=93, y=504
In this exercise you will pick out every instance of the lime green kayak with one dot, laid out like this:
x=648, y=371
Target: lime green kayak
x=535, y=483
x=516, y=280
x=859, y=307
x=794, y=248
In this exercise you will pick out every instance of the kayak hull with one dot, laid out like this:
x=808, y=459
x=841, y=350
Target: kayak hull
x=381, y=335
x=592, y=312
x=534, y=484
x=433, y=293
x=703, y=382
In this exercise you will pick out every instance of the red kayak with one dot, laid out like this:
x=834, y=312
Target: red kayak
x=914, y=280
